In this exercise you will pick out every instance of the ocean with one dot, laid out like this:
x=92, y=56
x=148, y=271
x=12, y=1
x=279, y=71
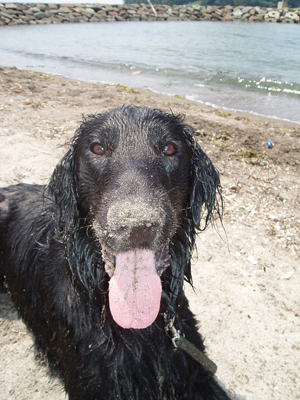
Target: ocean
x=253, y=67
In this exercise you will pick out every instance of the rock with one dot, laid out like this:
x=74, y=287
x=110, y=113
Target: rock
x=216, y=16
x=259, y=11
x=45, y=21
x=6, y=15
x=11, y=6
x=132, y=6
x=273, y=14
x=101, y=13
x=42, y=7
x=287, y=20
x=245, y=17
x=228, y=17
x=48, y=14
x=28, y=18
x=209, y=10
x=142, y=12
x=39, y=15
x=197, y=8
x=91, y=11
x=55, y=20
x=252, y=260
x=88, y=13
x=289, y=274
x=190, y=10
x=65, y=10
x=34, y=10
x=18, y=13
x=95, y=18
x=246, y=10
x=258, y=18
x=83, y=18
x=292, y=15
x=237, y=14
x=269, y=20
x=183, y=15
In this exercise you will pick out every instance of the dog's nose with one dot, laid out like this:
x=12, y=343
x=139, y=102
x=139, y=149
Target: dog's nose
x=143, y=235
x=136, y=224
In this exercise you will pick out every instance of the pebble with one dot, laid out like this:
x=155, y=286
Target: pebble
x=288, y=275
x=252, y=260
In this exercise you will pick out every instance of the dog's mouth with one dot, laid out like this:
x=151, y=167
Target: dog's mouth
x=135, y=285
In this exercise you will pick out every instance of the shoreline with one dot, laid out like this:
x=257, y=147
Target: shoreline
x=12, y=14
x=169, y=97
x=120, y=94
x=166, y=96
x=233, y=110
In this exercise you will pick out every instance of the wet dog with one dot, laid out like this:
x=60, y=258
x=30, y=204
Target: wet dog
x=95, y=261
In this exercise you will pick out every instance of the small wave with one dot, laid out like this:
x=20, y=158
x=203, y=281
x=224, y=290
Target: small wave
x=210, y=104
x=259, y=84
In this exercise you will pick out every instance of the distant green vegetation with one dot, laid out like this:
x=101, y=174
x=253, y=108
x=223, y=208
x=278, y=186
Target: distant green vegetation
x=252, y=3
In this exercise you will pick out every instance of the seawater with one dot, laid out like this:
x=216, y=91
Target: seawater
x=240, y=66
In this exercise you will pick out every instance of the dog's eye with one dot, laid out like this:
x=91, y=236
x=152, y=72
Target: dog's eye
x=169, y=149
x=98, y=149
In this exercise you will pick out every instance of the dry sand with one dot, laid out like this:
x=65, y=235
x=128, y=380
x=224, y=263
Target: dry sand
x=246, y=273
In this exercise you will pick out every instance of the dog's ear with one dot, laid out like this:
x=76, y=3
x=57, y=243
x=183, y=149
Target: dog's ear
x=62, y=188
x=5, y=208
x=205, y=192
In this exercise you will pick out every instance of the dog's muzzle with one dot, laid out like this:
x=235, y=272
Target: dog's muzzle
x=135, y=257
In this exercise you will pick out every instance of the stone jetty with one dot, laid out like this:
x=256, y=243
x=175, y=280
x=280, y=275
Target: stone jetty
x=36, y=13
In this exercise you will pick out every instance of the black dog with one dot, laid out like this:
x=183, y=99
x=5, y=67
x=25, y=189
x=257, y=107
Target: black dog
x=95, y=261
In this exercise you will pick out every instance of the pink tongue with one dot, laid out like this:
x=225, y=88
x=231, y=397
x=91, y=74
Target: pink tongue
x=135, y=290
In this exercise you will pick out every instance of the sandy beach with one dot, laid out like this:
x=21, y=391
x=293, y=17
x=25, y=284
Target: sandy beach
x=246, y=270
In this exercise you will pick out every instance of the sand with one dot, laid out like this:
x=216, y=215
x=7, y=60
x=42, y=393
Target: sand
x=246, y=271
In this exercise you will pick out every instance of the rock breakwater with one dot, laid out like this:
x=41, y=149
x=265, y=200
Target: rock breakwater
x=35, y=13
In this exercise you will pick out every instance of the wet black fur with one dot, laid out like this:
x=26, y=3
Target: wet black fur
x=53, y=269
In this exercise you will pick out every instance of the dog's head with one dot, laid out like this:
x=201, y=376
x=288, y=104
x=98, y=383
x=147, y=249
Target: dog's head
x=140, y=179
